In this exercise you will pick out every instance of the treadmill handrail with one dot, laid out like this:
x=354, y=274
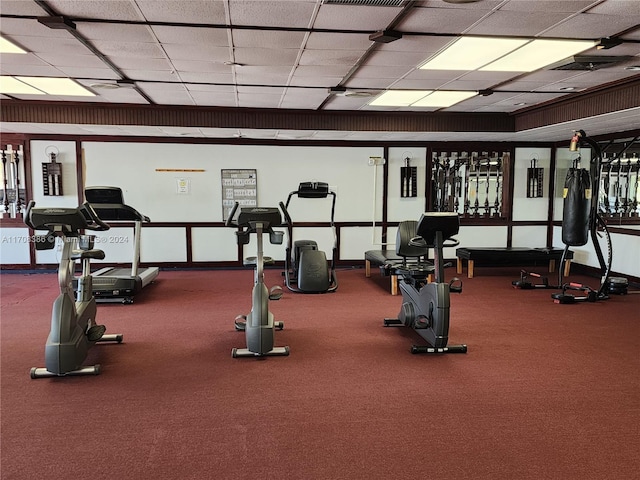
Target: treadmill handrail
x=124, y=213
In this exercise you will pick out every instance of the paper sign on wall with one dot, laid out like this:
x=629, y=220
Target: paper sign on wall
x=183, y=186
x=238, y=186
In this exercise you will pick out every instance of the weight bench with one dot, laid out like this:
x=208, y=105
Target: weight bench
x=405, y=254
x=516, y=256
x=380, y=258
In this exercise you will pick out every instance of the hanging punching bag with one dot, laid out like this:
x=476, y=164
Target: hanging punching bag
x=577, y=207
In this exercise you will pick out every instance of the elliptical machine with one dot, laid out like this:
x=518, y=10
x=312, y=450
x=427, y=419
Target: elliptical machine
x=259, y=324
x=306, y=268
x=425, y=306
x=73, y=323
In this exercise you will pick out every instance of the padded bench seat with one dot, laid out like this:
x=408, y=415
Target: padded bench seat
x=516, y=256
x=379, y=258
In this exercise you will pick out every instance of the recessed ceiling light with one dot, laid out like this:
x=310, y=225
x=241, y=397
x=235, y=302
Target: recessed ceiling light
x=567, y=89
x=443, y=98
x=519, y=104
x=633, y=68
x=12, y=86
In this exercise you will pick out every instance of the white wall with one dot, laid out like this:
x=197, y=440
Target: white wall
x=132, y=166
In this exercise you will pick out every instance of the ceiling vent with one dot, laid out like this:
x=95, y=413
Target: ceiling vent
x=366, y=3
x=589, y=62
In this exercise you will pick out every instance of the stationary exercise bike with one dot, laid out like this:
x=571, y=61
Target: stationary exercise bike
x=259, y=324
x=306, y=269
x=73, y=323
x=425, y=305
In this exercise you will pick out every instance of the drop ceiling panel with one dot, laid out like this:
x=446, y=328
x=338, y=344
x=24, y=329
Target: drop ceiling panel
x=191, y=11
x=95, y=73
x=151, y=75
x=211, y=99
x=201, y=66
x=273, y=13
x=441, y=20
x=591, y=25
x=402, y=59
x=168, y=94
x=20, y=7
x=206, y=53
x=221, y=89
x=159, y=64
x=216, y=37
x=204, y=77
x=250, y=100
x=322, y=70
x=269, y=39
x=338, y=41
x=518, y=23
x=562, y=6
x=246, y=78
x=63, y=60
x=109, y=31
x=29, y=26
x=380, y=72
x=330, y=57
x=265, y=56
x=111, y=10
x=326, y=82
x=129, y=49
x=617, y=7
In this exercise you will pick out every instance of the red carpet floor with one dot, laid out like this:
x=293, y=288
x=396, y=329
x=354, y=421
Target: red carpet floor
x=545, y=391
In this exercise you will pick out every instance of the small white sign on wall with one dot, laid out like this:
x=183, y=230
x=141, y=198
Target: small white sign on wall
x=183, y=186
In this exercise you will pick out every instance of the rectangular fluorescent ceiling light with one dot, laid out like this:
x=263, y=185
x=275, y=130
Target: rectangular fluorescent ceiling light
x=398, y=98
x=43, y=85
x=471, y=53
x=443, y=98
x=537, y=54
x=421, y=98
x=504, y=54
x=7, y=47
x=10, y=85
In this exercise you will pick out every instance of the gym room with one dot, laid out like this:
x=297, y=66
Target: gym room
x=320, y=239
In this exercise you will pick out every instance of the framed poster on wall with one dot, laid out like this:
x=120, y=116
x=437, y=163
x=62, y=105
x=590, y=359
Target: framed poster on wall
x=238, y=186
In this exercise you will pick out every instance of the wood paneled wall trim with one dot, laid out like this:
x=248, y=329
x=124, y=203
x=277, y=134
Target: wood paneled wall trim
x=581, y=105
x=211, y=117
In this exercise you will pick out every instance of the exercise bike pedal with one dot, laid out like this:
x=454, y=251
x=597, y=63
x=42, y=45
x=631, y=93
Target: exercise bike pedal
x=392, y=322
x=275, y=293
x=240, y=323
x=96, y=332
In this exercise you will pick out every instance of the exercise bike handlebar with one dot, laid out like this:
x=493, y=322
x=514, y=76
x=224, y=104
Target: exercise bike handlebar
x=229, y=222
x=82, y=217
x=285, y=212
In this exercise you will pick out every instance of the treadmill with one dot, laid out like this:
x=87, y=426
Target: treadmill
x=114, y=284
